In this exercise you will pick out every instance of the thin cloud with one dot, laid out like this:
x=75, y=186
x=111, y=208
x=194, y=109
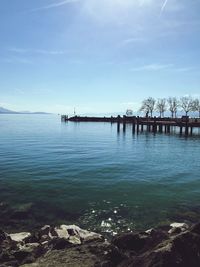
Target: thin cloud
x=50, y=52
x=18, y=50
x=159, y=67
x=55, y=5
x=163, y=7
x=36, y=51
x=131, y=41
x=152, y=67
x=20, y=60
x=184, y=69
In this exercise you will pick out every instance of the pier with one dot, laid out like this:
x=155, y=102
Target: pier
x=185, y=124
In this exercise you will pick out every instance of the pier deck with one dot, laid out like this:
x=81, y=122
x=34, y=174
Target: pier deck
x=154, y=124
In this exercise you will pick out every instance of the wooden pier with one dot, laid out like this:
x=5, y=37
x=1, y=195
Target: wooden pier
x=154, y=124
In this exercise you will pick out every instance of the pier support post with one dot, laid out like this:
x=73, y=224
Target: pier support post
x=124, y=123
x=138, y=127
x=118, y=123
x=118, y=126
x=133, y=127
x=191, y=130
x=154, y=127
x=124, y=126
x=186, y=129
x=181, y=130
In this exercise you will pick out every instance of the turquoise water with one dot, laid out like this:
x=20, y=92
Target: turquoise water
x=88, y=174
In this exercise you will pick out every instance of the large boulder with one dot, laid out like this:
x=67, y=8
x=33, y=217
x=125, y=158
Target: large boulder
x=130, y=241
x=181, y=250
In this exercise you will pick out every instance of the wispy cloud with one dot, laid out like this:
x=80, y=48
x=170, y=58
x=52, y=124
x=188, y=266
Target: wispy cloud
x=131, y=41
x=152, y=67
x=183, y=69
x=163, y=7
x=54, y=5
x=20, y=60
x=36, y=51
x=159, y=67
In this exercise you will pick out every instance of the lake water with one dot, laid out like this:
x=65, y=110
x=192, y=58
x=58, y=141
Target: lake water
x=88, y=174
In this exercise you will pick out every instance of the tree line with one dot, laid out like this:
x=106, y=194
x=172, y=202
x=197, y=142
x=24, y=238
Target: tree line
x=172, y=104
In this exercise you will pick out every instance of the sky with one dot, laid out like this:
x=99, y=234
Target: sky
x=99, y=56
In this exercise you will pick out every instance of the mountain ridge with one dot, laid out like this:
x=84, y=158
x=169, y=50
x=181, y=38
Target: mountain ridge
x=8, y=111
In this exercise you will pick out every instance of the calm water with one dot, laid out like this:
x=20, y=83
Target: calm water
x=88, y=174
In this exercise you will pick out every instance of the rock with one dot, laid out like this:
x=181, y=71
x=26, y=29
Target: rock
x=11, y=263
x=130, y=241
x=87, y=236
x=83, y=235
x=21, y=255
x=45, y=230
x=196, y=228
x=179, y=225
x=74, y=247
x=181, y=250
x=19, y=237
x=177, y=228
x=62, y=232
x=114, y=256
x=3, y=236
x=75, y=240
x=149, y=231
x=45, y=238
x=59, y=243
x=30, y=247
x=90, y=254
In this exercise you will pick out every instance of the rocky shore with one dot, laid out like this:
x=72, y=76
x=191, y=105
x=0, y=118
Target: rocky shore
x=68, y=245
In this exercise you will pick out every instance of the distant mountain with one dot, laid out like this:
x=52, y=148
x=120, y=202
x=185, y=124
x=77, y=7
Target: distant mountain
x=7, y=111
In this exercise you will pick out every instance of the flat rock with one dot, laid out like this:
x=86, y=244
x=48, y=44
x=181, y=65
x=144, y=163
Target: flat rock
x=83, y=235
x=19, y=237
x=62, y=232
x=177, y=228
x=179, y=225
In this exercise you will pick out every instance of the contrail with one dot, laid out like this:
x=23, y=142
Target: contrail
x=54, y=5
x=163, y=6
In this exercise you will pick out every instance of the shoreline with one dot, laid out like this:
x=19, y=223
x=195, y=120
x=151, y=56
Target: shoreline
x=176, y=244
x=27, y=217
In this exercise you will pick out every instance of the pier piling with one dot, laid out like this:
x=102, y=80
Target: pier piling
x=144, y=123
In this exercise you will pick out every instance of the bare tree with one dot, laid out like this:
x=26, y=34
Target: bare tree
x=161, y=106
x=196, y=105
x=148, y=105
x=187, y=104
x=173, y=105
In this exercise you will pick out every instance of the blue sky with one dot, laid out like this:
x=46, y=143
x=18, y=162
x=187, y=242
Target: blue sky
x=97, y=55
